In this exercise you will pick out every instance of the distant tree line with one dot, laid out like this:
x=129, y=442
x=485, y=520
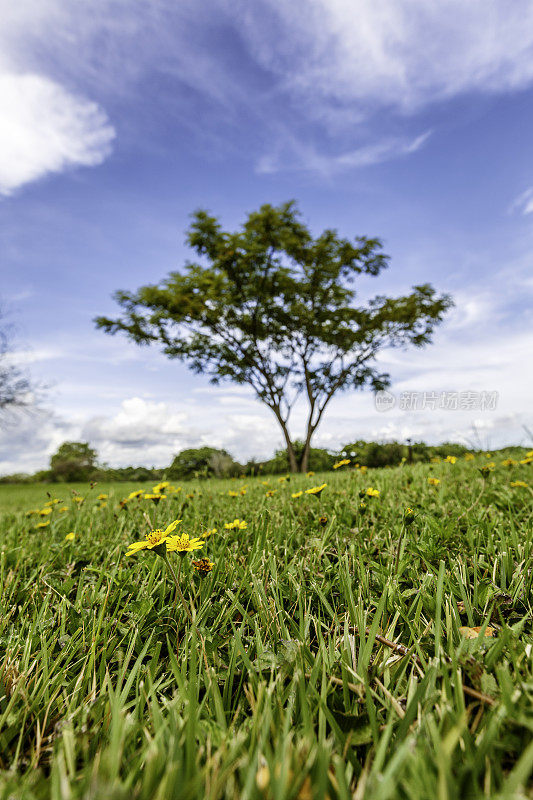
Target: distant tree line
x=78, y=461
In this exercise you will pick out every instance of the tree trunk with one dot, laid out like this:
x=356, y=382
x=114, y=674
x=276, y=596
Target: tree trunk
x=304, y=460
x=293, y=463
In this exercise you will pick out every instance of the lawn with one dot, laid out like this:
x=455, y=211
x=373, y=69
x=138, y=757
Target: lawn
x=335, y=650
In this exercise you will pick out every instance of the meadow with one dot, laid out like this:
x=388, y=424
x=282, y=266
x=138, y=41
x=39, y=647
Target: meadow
x=368, y=639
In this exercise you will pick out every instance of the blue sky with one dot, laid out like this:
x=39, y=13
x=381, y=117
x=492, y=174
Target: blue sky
x=402, y=119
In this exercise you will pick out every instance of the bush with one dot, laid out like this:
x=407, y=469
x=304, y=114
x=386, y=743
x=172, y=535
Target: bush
x=203, y=462
x=74, y=461
x=390, y=454
x=320, y=460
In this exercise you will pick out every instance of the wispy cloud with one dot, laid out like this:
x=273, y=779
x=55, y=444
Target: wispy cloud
x=315, y=75
x=293, y=155
x=403, y=53
x=523, y=203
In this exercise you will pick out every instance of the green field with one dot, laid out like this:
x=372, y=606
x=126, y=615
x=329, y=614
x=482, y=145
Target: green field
x=328, y=653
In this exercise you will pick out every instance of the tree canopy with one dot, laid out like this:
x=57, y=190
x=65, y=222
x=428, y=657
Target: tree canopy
x=15, y=387
x=73, y=461
x=271, y=306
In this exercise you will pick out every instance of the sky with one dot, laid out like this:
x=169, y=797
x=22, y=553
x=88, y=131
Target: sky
x=402, y=119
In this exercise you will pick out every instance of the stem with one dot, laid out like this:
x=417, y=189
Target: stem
x=176, y=581
x=476, y=501
x=397, y=559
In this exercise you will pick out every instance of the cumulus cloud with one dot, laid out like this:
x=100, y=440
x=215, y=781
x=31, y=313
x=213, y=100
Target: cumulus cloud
x=47, y=129
x=46, y=126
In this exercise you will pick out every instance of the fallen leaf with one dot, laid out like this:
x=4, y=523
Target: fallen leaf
x=473, y=633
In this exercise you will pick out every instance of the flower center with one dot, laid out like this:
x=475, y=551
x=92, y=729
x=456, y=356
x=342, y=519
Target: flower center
x=154, y=537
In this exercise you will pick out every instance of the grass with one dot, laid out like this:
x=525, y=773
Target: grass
x=325, y=658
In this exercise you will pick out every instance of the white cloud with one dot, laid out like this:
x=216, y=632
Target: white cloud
x=292, y=155
x=318, y=69
x=46, y=129
x=523, y=203
x=403, y=53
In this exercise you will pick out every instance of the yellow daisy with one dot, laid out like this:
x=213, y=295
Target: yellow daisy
x=316, y=490
x=237, y=524
x=183, y=544
x=153, y=539
x=342, y=463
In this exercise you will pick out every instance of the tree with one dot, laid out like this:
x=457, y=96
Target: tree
x=15, y=388
x=202, y=462
x=74, y=461
x=272, y=307
x=319, y=460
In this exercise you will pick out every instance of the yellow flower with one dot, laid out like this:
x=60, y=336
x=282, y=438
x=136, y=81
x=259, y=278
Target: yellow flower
x=486, y=469
x=370, y=492
x=296, y=494
x=189, y=496
x=158, y=488
x=155, y=498
x=44, y=512
x=409, y=516
x=488, y=455
x=529, y=454
x=323, y=521
x=341, y=463
x=469, y=457
x=316, y=489
x=310, y=473
x=265, y=483
x=435, y=459
x=153, y=539
x=62, y=509
x=522, y=484
x=203, y=565
x=233, y=493
x=433, y=481
x=78, y=499
x=237, y=524
x=270, y=493
x=32, y=512
x=508, y=462
x=208, y=533
x=183, y=544
x=133, y=495
x=363, y=470
x=102, y=497
x=43, y=524
x=282, y=479
x=451, y=459
x=102, y=504
x=527, y=460
x=51, y=502
x=70, y=537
